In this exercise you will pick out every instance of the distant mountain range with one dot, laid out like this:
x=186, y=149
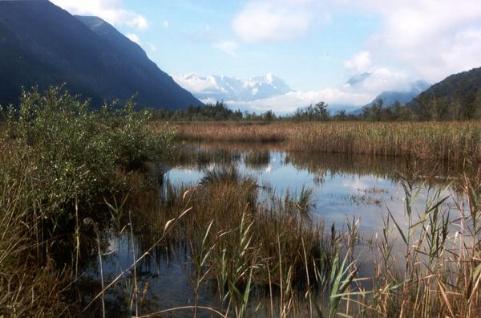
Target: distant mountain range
x=218, y=87
x=272, y=90
x=43, y=45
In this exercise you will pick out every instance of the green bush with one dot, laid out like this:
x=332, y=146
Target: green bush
x=77, y=152
x=58, y=160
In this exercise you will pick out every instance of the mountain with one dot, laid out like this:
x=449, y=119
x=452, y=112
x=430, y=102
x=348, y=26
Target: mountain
x=358, y=78
x=215, y=88
x=43, y=45
x=456, y=97
x=389, y=98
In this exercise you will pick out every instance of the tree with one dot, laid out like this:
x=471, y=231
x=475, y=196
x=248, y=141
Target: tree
x=316, y=112
x=320, y=110
x=269, y=115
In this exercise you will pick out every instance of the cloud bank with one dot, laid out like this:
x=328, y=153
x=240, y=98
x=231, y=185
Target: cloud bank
x=429, y=38
x=432, y=39
x=269, y=92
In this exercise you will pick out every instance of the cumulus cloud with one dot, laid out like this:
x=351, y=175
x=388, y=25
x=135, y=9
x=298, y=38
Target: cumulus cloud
x=432, y=38
x=274, y=20
x=361, y=62
x=109, y=10
x=374, y=79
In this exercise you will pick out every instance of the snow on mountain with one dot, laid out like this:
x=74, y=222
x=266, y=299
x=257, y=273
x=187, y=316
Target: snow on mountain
x=220, y=87
x=269, y=92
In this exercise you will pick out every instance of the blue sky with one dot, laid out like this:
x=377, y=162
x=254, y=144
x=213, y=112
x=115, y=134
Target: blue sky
x=186, y=36
x=313, y=45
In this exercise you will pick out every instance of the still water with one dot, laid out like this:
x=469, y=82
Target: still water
x=343, y=187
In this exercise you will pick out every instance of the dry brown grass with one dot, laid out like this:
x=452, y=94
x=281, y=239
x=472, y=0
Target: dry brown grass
x=449, y=141
x=426, y=264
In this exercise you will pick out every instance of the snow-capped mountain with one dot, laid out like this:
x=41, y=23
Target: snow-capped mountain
x=268, y=92
x=219, y=87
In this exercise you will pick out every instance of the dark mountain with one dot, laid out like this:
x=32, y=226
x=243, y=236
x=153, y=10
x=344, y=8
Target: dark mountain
x=44, y=45
x=456, y=97
x=389, y=98
x=358, y=78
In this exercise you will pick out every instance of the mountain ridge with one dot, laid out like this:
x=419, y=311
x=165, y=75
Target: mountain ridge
x=44, y=45
x=389, y=98
x=221, y=87
x=458, y=97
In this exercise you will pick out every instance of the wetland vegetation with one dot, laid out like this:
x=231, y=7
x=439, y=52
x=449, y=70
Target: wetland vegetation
x=108, y=213
x=447, y=141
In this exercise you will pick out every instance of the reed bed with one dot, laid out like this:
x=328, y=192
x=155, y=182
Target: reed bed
x=447, y=141
x=427, y=264
x=243, y=246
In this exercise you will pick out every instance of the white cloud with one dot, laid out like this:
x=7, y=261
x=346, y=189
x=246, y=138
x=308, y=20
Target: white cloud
x=109, y=10
x=228, y=47
x=361, y=62
x=359, y=93
x=165, y=24
x=380, y=79
x=375, y=79
x=195, y=83
x=274, y=20
x=432, y=38
x=289, y=102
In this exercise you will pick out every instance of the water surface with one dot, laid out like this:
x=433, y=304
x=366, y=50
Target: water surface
x=343, y=188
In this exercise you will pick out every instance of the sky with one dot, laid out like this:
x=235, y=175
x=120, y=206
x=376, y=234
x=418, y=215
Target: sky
x=313, y=45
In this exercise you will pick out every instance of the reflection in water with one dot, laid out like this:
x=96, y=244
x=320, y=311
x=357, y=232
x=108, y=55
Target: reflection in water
x=343, y=188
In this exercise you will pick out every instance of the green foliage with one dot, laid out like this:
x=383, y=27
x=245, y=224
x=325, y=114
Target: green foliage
x=316, y=112
x=378, y=112
x=76, y=152
x=59, y=158
x=458, y=97
x=217, y=111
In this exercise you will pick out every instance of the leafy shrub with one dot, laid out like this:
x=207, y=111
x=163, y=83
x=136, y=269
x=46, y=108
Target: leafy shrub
x=58, y=158
x=77, y=152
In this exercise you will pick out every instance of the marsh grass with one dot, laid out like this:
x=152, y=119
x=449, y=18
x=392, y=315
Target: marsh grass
x=447, y=141
x=67, y=179
x=425, y=264
x=59, y=160
x=257, y=159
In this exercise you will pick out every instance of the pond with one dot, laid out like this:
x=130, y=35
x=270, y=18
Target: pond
x=343, y=188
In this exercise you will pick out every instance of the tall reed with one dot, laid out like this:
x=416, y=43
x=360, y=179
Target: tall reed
x=449, y=141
